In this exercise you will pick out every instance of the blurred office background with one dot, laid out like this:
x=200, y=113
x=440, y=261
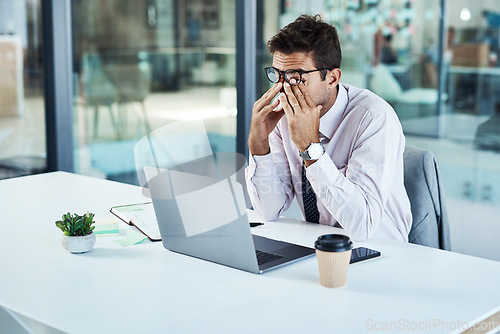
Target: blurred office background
x=140, y=64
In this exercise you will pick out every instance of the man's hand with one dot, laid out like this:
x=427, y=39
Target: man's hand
x=264, y=120
x=302, y=115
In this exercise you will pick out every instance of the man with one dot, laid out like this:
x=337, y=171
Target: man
x=336, y=147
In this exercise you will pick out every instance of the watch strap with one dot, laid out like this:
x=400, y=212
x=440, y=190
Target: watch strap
x=306, y=156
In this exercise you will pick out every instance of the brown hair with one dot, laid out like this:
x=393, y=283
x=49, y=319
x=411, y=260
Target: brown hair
x=312, y=35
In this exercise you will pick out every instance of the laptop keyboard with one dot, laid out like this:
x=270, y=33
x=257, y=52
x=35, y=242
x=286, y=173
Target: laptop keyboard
x=265, y=257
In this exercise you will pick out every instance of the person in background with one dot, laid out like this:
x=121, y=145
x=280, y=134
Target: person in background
x=430, y=59
x=387, y=53
x=338, y=149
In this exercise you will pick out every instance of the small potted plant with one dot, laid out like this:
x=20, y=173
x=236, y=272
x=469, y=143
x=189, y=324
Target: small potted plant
x=78, y=236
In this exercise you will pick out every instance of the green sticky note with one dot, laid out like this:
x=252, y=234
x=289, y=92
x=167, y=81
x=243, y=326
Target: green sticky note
x=106, y=229
x=130, y=239
x=134, y=207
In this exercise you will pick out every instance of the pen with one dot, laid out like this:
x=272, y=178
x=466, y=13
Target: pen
x=255, y=224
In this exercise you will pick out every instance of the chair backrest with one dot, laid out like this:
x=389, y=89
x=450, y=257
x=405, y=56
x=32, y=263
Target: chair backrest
x=132, y=80
x=430, y=225
x=98, y=86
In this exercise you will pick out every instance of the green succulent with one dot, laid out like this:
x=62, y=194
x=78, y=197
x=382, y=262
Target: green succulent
x=75, y=225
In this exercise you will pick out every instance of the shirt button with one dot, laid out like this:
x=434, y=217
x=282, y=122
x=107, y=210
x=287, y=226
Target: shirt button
x=323, y=218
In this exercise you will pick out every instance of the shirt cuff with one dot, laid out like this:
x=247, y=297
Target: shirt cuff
x=322, y=173
x=260, y=165
x=330, y=184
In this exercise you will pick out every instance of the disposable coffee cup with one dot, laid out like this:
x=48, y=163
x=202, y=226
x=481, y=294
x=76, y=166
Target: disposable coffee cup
x=333, y=252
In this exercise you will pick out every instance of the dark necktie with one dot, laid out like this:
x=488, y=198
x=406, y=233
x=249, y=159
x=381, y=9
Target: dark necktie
x=309, y=198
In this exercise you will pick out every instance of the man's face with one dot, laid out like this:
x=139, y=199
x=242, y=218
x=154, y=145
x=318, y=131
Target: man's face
x=311, y=82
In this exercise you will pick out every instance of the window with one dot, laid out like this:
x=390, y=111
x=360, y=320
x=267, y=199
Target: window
x=142, y=64
x=22, y=109
x=442, y=83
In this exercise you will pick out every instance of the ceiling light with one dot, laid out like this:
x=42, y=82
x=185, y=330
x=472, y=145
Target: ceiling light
x=465, y=14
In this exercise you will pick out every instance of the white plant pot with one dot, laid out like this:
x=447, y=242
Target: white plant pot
x=78, y=244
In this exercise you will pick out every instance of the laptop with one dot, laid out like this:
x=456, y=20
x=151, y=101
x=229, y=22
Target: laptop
x=206, y=218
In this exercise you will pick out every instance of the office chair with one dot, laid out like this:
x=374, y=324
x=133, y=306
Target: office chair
x=412, y=103
x=430, y=225
x=133, y=83
x=99, y=90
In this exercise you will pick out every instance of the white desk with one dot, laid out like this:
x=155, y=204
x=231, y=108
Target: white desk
x=147, y=289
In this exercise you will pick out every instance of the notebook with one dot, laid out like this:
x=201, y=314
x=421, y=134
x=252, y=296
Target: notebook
x=206, y=218
x=142, y=216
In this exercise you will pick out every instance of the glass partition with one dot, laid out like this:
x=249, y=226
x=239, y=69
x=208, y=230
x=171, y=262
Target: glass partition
x=22, y=109
x=142, y=64
x=389, y=47
x=468, y=146
x=443, y=84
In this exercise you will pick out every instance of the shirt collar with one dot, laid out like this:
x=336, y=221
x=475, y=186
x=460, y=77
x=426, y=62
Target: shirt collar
x=330, y=121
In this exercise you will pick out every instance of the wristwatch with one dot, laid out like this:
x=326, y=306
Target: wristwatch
x=313, y=152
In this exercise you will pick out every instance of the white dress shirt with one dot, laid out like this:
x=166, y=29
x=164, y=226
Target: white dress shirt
x=358, y=181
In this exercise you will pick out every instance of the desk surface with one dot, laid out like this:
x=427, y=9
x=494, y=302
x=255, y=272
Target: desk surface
x=145, y=288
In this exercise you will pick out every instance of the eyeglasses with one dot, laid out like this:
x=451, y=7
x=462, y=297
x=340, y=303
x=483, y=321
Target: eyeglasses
x=293, y=77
